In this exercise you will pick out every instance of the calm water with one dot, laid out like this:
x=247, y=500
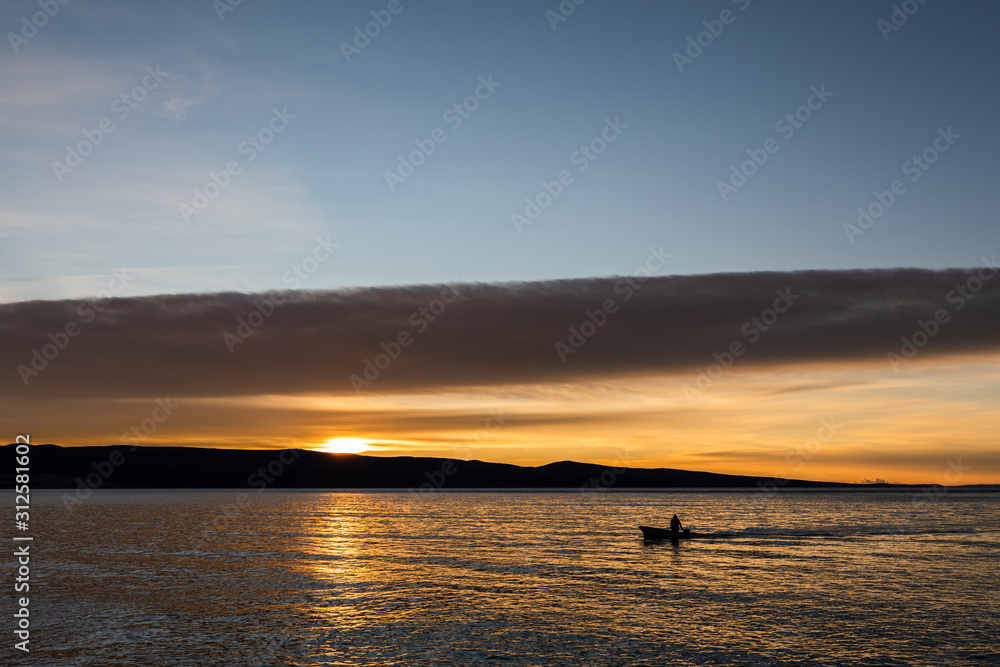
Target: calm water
x=311, y=578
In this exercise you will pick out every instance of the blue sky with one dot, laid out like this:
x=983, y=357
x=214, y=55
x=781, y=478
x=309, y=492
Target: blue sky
x=323, y=175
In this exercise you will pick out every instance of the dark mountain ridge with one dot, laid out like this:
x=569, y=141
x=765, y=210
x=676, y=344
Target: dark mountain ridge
x=55, y=467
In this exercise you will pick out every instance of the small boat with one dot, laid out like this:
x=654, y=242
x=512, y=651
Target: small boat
x=650, y=533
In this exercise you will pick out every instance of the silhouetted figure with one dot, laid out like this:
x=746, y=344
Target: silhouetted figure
x=675, y=525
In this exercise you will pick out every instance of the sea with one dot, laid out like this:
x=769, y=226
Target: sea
x=190, y=577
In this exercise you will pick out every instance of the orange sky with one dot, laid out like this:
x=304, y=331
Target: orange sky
x=933, y=421
x=808, y=390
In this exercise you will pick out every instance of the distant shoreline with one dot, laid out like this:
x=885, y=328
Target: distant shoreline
x=85, y=469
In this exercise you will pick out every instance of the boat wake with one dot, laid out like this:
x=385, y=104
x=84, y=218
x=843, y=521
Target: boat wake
x=847, y=532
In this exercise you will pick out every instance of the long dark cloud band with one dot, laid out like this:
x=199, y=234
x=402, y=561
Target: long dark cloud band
x=437, y=336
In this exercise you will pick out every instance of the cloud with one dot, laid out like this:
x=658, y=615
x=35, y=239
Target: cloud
x=176, y=107
x=186, y=91
x=491, y=334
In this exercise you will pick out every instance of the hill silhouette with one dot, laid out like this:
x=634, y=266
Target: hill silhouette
x=111, y=467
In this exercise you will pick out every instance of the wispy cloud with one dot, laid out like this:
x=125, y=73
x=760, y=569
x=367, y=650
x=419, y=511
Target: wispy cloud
x=187, y=90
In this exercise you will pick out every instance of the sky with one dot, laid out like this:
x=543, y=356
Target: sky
x=188, y=158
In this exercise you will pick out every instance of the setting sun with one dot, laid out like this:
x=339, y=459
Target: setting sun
x=345, y=446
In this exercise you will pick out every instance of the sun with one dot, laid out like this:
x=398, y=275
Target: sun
x=345, y=446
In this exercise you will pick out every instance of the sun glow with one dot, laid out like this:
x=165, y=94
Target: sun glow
x=345, y=446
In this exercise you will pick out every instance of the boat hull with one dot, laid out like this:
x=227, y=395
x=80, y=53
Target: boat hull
x=651, y=533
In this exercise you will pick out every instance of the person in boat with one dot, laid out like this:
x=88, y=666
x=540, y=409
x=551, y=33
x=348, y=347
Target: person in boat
x=675, y=525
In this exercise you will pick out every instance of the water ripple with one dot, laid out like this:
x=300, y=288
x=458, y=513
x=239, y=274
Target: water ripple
x=513, y=578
